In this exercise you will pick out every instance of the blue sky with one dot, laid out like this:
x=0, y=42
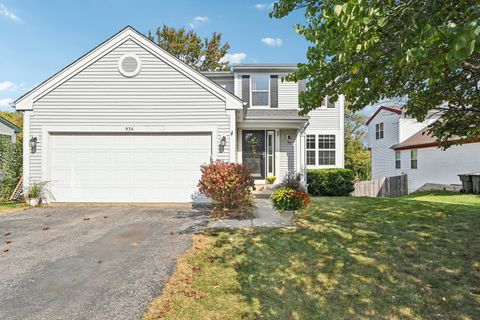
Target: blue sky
x=38, y=38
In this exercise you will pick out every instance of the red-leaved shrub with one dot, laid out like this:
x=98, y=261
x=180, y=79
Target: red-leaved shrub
x=227, y=184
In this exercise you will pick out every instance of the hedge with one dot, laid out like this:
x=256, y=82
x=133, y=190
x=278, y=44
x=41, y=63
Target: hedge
x=330, y=182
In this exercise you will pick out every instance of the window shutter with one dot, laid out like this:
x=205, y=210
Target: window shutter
x=273, y=91
x=246, y=89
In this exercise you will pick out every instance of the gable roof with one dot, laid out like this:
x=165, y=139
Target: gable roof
x=394, y=109
x=422, y=139
x=10, y=125
x=25, y=102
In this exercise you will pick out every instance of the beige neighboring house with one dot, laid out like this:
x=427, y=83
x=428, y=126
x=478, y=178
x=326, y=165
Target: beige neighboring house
x=9, y=129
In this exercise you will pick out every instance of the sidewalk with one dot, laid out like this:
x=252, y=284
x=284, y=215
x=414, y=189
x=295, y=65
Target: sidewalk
x=265, y=216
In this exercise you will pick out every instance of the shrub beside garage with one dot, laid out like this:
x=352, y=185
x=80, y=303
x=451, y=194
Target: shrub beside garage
x=330, y=182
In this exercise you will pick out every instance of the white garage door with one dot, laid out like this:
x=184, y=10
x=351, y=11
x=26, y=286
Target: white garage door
x=127, y=167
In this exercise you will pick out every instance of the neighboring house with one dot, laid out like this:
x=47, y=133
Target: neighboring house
x=9, y=129
x=400, y=145
x=129, y=122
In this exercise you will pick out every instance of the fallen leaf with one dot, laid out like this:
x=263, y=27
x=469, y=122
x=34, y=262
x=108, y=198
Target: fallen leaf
x=7, y=234
x=209, y=259
x=105, y=217
x=5, y=250
x=45, y=228
x=85, y=219
x=195, y=269
x=48, y=215
x=8, y=241
x=99, y=261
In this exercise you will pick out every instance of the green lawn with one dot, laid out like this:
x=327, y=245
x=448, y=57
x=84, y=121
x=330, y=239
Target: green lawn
x=416, y=257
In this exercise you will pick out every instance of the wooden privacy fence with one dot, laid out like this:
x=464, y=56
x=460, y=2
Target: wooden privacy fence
x=384, y=187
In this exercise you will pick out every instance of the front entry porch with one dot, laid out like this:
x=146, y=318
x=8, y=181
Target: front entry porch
x=270, y=152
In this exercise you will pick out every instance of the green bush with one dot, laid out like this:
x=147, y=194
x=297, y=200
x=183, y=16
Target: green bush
x=289, y=199
x=10, y=165
x=330, y=182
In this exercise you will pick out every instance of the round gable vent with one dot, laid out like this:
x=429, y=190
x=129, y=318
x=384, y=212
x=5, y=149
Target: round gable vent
x=129, y=65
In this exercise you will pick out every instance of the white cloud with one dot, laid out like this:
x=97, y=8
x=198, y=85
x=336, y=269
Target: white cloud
x=233, y=58
x=198, y=21
x=272, y=42
x=263, y=6
x=5, y=102
x=4, y=11
x=7, y=85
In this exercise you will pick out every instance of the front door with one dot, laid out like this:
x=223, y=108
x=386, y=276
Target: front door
x=253, y=151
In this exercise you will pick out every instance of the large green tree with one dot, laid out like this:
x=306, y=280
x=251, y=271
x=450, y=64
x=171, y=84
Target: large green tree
x=204, y=54
x=357, y=156
x=370, y=50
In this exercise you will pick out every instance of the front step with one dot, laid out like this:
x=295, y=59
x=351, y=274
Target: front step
x=263, y=191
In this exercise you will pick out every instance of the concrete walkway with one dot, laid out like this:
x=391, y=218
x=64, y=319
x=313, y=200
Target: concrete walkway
x=265, y=216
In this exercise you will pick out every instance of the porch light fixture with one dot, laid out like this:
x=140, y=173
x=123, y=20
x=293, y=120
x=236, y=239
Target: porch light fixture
x=33, y=144
x=289, y=138
x=223, y=141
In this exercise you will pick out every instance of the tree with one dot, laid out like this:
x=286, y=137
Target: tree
x=204, y=55
x=428, y=51
x=357, y=157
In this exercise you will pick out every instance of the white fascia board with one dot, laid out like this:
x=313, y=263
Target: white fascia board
x=26, y=102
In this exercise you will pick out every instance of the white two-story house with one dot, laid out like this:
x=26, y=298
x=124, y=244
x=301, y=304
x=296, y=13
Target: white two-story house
x=401, y=145
x=129, y=122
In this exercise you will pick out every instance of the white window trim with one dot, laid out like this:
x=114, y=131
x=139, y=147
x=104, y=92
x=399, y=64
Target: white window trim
x=380, y=137
x=268, y=90
x=337, y=150
x=315, y=149
x=412, y=159
x=325, y=104
x=399, y=159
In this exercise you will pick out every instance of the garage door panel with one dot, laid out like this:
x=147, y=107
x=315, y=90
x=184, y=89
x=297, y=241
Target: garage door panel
x=127, y=168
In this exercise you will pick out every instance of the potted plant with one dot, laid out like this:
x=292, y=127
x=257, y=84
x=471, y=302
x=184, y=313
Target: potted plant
x=271, y=179
x=37, y=192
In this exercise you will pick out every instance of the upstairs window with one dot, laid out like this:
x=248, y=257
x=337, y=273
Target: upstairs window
x=260, y=90
x=398, y=163
x=379, y=131
x=328, y=103
x=413, y=159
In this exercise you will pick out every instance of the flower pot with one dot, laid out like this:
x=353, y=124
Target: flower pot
x=33, y=202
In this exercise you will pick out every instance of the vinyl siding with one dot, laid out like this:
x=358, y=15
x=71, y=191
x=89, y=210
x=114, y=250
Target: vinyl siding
x=7, y=131
x=287, y=152
x=99, y=96
x=326, y=118
x=440, y=166
x=383, y=157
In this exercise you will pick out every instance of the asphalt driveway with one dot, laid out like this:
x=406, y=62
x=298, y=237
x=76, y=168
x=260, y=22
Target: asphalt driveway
x=100, y=262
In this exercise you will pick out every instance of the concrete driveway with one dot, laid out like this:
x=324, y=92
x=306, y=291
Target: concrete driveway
x=89, y=262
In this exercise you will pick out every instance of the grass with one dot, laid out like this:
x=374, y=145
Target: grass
x=8, y=206
x=416, y=257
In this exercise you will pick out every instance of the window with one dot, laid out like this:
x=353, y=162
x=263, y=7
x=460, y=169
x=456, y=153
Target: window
x=398, y=163
x=311, y=149
x=260, y=90
x=413, y=159
x=379, y=131
x=326, y=149
x=327, y=102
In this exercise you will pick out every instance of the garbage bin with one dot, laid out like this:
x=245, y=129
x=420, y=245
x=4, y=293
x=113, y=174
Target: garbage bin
x=476, y=182
x=467, y=185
